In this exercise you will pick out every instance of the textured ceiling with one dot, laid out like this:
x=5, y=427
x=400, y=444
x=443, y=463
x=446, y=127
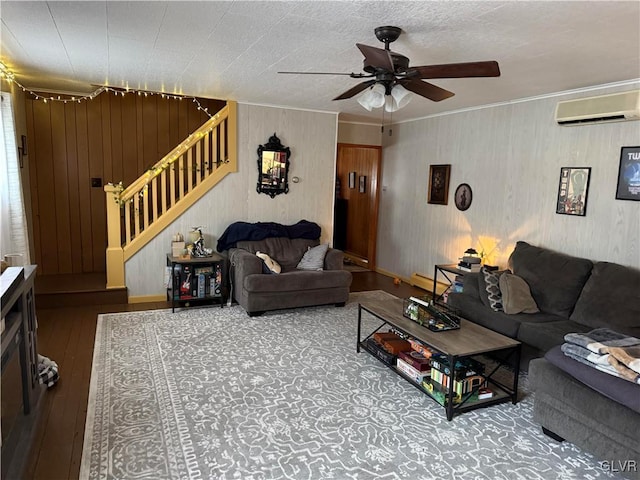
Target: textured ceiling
x=232, y=50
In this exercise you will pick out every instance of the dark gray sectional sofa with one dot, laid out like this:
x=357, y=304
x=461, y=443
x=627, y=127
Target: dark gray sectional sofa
x=594, y=410
x=258, y=292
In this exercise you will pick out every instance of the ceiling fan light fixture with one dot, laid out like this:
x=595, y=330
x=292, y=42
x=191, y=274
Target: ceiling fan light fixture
x=401, y=96
x=373, y=97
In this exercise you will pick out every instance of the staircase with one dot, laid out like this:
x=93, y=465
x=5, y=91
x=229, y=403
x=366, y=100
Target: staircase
x=137, y=213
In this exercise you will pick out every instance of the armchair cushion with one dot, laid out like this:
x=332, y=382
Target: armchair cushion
x=313, y=258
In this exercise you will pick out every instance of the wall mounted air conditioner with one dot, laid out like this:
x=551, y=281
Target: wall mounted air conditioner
x=617, y=107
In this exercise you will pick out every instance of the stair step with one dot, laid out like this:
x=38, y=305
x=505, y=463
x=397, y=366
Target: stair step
x=69, y=290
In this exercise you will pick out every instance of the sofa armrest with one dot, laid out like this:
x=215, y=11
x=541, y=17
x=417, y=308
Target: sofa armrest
x=334, y=259
x=244, y=263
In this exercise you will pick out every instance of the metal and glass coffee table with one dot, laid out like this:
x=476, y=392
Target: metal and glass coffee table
x=501, y=353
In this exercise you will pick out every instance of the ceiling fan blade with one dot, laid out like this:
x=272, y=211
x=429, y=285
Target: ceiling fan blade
x=355, y=90
x=352, y=75
x=428, y=90
x=456, y=70
x=376, y=57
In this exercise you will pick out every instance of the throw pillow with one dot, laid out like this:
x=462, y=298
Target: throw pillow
x=492, y=282
x=313, y=258
x=270, y=263
x=516, y=295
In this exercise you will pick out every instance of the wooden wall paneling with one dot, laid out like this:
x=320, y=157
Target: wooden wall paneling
x=215, y=158
x=174, y=129
x=164, y=144
x=194, y=119
x=97, y=196
x=106, y=101
x=116, y=138
x=116, y=151
x=48, y=256
x=72, y=185
x=206, y=156
x=130, y=144
x=198, y=163
x=61, y=186
x=150, y=131
x=84, y=189
x=140, y=165
x=183, y=120
x=223, y=153
x=163, y=127
x=33, y=181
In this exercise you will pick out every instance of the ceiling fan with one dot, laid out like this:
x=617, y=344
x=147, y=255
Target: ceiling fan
x=389, y=69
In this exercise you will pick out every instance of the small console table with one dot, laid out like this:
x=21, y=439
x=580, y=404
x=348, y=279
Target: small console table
x=196, y=279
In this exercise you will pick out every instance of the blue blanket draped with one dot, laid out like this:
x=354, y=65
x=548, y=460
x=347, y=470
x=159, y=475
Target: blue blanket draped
x=241, y=231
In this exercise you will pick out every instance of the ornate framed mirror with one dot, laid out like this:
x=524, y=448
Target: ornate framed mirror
x=273, y=167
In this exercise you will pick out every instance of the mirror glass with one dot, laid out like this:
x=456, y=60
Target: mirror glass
x=273, y=167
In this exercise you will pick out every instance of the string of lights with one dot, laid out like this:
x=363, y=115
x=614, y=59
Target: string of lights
x=10, y=76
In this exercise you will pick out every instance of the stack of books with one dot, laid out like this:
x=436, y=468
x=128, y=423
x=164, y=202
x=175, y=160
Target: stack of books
x=468, y=266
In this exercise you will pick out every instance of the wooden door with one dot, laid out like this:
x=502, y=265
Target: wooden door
x=361, y=163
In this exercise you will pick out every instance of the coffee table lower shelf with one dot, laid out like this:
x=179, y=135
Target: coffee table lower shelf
x=502, y=351
x=500, y=393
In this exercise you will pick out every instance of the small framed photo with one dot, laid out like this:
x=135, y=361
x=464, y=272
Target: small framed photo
x=439, y=184
x=573, y=191
x=629, y=174
x=352, y=179
x=363, y=184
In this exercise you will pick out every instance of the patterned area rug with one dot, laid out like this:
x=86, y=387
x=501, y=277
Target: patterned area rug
x=210, y=393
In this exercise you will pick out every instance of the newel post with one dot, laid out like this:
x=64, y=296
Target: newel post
x=115, y=254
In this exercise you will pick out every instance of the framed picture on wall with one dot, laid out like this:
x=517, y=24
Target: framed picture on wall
x=573, y=190
x=438, y=184
x=629, y=174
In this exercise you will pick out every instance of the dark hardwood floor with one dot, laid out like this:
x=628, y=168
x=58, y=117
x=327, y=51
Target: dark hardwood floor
x=66, y=335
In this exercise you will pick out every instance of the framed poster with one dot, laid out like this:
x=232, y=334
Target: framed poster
x=629, y=174
x=573, y=191
x=438, y=184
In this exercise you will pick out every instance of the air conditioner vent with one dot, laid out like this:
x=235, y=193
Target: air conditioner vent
x=617, y=107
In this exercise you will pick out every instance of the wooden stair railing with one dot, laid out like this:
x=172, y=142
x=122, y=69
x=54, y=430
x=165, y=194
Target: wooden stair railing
x=138, y=213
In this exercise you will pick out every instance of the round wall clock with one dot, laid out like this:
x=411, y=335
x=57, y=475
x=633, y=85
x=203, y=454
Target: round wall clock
x=463, y=196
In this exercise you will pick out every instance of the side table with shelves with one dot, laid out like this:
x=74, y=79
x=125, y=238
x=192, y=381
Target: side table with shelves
x=449, y=272
x=196, y=279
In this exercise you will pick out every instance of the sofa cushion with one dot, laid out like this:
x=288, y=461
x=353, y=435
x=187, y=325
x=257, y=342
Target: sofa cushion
x=472, y=309
x=492, y=288
x=296, y=281
x=555, y=279
x=611, y=297
x=313, y=258
x=545, y=336
x=516, y=295
x=286, y=251
x=617, y=389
